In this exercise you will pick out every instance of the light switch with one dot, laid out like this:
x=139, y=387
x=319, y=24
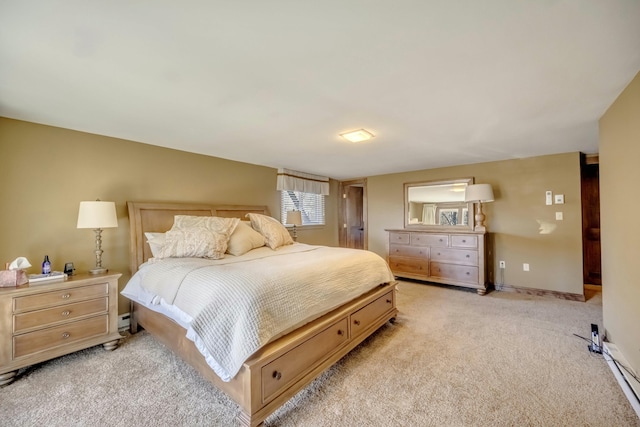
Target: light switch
x=548, y=198
x=559, y=199
x=559, y=216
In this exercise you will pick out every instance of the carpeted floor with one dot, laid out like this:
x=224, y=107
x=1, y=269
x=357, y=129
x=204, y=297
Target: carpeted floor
x=453, y=358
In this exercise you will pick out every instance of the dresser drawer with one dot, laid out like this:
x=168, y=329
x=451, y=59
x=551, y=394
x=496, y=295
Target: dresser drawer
x=62, y=296
x=370, y=312
x=62, y=313
x=458, y=273
x=279, y=374
x=409, y=251
x=455, y=256
x=409, y=265
x=399, y=238
x=420, y=239
x=33, y=342
x=463, y=241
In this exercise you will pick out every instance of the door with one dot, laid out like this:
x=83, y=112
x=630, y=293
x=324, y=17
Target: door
x=590, y=178
x=352, y=223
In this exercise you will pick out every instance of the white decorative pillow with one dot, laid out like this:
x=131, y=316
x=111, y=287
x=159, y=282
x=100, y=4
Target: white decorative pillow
x=198, y=236
x=274, y=233
x=243, y=239
x=155, y=241
x=196, y=242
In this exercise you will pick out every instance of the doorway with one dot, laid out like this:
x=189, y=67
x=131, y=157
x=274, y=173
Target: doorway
x=590, y=183
x=353, y=214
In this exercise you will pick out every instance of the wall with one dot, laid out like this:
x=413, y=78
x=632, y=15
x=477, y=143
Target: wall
x=514, y=219
x=47, y=171
x=620, y=228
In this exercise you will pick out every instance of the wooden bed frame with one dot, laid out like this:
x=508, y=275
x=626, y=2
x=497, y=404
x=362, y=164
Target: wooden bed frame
x=275, y=373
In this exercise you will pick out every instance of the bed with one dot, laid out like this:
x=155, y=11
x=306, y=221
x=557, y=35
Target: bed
x=276, y=371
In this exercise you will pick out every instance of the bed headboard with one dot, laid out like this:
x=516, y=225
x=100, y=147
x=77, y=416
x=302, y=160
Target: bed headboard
x=158, y=217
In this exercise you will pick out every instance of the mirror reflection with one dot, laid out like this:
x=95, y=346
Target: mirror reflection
x=438, y=204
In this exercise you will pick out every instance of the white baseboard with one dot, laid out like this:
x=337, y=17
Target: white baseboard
x=123, y=321
x=629, y=385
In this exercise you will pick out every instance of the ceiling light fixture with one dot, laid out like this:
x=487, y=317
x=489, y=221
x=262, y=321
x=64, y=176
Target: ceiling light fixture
x=358, y=135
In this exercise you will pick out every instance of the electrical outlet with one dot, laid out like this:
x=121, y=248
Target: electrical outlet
x=525, y=267
x=503, y=264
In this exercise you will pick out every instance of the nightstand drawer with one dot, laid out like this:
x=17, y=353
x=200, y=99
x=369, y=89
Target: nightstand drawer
x=43, y=318
x=33, y=342
x=63, y=296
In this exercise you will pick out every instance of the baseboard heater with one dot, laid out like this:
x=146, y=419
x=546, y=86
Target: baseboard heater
x=630, y=386
x=123, y=321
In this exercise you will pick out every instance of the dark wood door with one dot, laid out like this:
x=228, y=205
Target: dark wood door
x=354, y=218
x=591, y=222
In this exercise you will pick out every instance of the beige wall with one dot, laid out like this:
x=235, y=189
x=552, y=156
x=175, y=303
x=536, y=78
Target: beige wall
x=519, y=186
x=619, y=207
x=47, y=171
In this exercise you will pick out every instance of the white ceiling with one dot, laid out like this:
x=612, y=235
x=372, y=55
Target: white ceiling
x=273, y=82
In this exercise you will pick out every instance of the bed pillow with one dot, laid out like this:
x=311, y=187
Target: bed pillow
x=195, y=242
x=198, y=237
x=243, y=239
x=275, y=234
x=156, y=242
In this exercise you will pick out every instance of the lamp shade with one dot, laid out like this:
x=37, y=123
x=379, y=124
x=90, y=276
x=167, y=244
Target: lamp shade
x=97, y=214
x=478, y=193
x=294, y=218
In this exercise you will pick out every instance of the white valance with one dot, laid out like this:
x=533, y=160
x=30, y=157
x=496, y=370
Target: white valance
x=290, y=180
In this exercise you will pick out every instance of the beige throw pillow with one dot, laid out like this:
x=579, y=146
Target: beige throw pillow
x=243, y=239
x=274, y=232
x=198, y=237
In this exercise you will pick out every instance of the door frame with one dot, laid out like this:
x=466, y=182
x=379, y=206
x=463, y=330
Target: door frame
x=342, y=213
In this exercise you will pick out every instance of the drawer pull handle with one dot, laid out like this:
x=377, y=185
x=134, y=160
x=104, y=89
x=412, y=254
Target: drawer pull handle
x=340, y=332
x=441, y=240
x=468, y=256
x=66, y=313
x=438, y=253
x=66, y=296
x=66, y=335
x=464, y=241
x=277, y=375
x=389, y=301
x=468, y=273
x=356, y=322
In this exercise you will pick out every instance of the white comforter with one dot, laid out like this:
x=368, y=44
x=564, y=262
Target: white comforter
x=238, y=304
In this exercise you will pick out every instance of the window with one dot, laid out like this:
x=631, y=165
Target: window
x=310, y=205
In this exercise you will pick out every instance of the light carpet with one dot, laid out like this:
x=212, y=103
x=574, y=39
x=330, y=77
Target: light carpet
x=453, y=358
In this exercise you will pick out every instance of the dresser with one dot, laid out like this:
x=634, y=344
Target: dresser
x=41, y=321
x=452, y=258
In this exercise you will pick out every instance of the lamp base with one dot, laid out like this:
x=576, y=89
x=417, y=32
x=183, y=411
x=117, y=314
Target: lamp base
x=98, y=270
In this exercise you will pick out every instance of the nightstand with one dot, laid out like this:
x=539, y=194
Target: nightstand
x=39, y=322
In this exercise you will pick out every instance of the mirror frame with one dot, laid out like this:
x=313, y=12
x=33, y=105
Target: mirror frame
x=435, y=227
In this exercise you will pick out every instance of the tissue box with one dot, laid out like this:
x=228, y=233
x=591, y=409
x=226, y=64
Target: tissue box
x=12, y=278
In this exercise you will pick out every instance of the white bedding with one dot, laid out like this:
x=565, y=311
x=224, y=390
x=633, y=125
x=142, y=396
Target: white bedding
x=233, y=306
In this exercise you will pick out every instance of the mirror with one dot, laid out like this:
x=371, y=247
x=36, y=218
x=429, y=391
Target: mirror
x=438, y=204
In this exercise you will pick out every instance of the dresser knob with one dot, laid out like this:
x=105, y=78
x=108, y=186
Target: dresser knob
x=277, y=375
x=356, y=322
x=66, y=313
x=389, y=301
x=468, y=256
x=441, y=240
x=340, y=332
x=66, y=335
x=468, y=273
x=464, y=241
x=438, y=253
x=66, y=296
